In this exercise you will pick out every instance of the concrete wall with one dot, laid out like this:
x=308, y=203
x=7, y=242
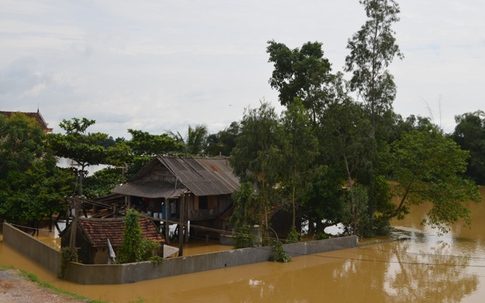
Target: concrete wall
x=45, y=255
x=134, y=272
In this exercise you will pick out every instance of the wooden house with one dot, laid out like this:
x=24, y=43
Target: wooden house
x=181, y=190
x=92, y=236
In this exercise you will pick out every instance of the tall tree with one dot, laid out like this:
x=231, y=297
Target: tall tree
x=257, y=157
x=300, y=73
x=31, y=185
x=299, y=151
x=372, y=50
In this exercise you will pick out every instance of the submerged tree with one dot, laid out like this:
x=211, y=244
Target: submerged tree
x=428, y=168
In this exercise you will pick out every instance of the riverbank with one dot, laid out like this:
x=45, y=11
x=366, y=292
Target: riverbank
x=19, y=287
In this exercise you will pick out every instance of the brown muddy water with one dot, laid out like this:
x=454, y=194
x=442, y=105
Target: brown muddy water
x=421, y=267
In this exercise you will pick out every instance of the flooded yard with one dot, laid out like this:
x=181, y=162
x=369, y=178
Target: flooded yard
x=413, y=265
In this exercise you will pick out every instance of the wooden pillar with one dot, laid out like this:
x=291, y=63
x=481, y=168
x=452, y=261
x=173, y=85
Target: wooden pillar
x=181, y=225
x=167, y=225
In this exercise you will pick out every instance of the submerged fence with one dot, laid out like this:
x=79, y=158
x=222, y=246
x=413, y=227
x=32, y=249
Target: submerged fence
x=49, y=258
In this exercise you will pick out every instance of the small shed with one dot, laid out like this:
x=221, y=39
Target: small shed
x=92, y=236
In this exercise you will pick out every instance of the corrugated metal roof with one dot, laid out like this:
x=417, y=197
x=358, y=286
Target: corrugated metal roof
x=146, y=189
x=202, y=176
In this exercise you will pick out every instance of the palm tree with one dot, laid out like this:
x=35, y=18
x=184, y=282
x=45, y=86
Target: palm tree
x=196, y=140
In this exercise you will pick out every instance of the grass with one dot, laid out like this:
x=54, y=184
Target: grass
x=56, y=290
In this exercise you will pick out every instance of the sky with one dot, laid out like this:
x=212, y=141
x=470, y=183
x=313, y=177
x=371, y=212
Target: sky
x=159, y=66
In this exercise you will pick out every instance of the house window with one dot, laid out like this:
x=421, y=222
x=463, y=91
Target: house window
x=203, y=202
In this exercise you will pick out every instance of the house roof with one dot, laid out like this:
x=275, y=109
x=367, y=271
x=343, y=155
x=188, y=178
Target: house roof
x=201, y=176
x=99, y=230
x=34, y=115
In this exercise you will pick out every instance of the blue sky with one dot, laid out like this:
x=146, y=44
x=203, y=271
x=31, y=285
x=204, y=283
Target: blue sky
x=162, y=65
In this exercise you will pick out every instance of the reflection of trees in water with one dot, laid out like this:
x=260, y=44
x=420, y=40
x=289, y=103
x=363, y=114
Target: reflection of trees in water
x=437, y=276
x=396, y=274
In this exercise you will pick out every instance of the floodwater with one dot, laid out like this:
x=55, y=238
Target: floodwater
x=415, y=264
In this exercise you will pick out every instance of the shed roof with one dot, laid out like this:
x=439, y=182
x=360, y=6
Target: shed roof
x=201, y=176
x=99, y=230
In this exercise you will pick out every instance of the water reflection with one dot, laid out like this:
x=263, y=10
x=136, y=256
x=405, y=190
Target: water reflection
x=414, y=265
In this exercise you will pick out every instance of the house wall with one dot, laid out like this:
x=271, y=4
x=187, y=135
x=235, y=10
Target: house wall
x=134, y=272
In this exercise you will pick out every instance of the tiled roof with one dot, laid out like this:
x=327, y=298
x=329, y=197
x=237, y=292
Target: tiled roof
x=34, y=115
x=99, y=230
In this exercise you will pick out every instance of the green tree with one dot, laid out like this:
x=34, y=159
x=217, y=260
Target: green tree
x=222, y=143
x=80, y=146
x=31, y=185
x=195, y=142
x=142, y=147
x=372, y=50
x=299, y=151
x=134, y=247
x=469, y=133
x=300, y=73
x=428, y=168
x=345, y=133
x=257, y=158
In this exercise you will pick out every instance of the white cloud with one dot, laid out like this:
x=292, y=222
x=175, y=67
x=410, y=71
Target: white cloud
x=161, y=65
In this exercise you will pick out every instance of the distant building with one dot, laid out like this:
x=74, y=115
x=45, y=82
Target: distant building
x=34, y=115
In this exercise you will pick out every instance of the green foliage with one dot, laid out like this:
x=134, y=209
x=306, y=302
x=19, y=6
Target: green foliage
x=134, y=247
x=102, y=181
x=300, y=74
x=68, y=254
x=428, y=168
x=243, y=237
x=222, y=143
x=257, y=158
x=469, y=133
x=279, y=254
x=31, y=185
x=320, y=236
x=77, y=144
x=195, y=143
x=300, y=148
x=372, y=50
x=293, y=236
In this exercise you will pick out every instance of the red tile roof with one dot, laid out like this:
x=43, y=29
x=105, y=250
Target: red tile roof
x=99, y=230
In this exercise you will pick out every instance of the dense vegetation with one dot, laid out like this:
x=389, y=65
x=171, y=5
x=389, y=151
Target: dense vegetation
x=337, y=153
